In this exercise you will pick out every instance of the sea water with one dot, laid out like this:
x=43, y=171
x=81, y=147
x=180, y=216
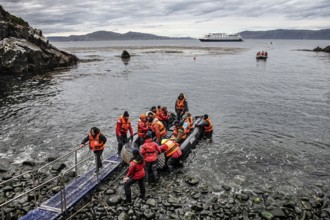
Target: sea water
x=271, y=118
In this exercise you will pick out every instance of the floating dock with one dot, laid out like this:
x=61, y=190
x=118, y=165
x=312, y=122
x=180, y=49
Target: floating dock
x=73, y=192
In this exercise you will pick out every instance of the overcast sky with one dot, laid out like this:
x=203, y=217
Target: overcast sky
x=174, y=18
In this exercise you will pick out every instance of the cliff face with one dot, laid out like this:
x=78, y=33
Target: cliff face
x=24, y=49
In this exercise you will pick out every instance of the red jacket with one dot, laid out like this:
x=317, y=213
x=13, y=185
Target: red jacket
x=136, y=170
x=122, y=126
x=150, y=150
x=142, y=128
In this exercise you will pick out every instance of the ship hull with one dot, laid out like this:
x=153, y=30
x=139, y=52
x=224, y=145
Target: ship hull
x=221, y=40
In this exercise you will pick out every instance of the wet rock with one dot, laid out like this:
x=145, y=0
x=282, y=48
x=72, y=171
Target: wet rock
x=123, y=216
x=267, y=215
x=189, y=216
x=29, y=163
x=278, y=212
x=148, y=214
x=114, y=200
x=3, y=169
x=125, y=55
x=226, y=187
x=242, y=197
x=151, y=202
x=58, y=166
x=192, y=180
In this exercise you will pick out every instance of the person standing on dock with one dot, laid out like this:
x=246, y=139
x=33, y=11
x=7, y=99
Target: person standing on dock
x=96, y=144
x=135, y=174
x=181, y=106
x=122, y=127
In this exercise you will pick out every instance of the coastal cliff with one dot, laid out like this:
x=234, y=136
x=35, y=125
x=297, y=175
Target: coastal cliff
x=24, y=49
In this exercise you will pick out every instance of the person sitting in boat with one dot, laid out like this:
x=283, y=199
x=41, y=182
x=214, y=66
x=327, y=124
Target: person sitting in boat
x=207, y=127
x=262, y=53
x=136, y=173
x=172, y=153
x=96, y=143
x=154, y=110
x=157, y=128
x=162, y=115
x=181, y=106
x=122, y=127
x=150, y=150
x=190, y=120
x=258, y=53
x=178, y=133
x=266, y=54
x=142, y=131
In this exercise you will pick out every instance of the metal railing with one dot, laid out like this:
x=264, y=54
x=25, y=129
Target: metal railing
x=39, y=185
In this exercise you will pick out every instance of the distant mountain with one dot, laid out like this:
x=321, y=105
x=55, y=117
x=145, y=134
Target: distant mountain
x=109, y=35
x=287, y=34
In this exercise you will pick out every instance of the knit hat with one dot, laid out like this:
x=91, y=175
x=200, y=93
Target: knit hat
x=205, y=116
x=135, y=151
x=126, y=114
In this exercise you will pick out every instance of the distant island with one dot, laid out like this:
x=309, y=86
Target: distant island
x=109, y=35
x=271, y=34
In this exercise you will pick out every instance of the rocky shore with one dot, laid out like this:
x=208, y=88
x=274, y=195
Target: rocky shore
x=24, y=49
x=180, y=195
x=319, y=49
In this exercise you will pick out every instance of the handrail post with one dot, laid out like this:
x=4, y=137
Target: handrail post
x=34, y=191
x=64, y=193
x=3, y=213
x=75, y=163
x=61, y=193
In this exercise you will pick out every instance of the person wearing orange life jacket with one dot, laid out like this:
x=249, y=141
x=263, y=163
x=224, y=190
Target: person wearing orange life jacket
x=190, y=120
x=150, y=150
x=157, y=128
x=163, y=116
x=178, y=133
x=181, y=106
x=96, y=143
x=142, y=131
x=172, y=153
x=136, y=173
x=207, y=127
x=122, y=127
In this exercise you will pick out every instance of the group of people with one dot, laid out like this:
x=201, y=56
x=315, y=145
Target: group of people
x=152, y=140
x=262, y=53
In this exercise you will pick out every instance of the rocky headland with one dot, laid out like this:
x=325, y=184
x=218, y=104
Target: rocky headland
x=319, y=49
x=24, y=49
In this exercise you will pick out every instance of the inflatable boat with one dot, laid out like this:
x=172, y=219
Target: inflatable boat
x=189, y=143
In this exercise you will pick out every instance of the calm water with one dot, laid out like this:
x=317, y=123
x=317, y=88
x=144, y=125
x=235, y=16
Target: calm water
x=271, y=119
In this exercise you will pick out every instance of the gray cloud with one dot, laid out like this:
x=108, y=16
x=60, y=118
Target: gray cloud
x=80, y=16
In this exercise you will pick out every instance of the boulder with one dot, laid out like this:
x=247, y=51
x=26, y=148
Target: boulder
x=125, y=55
x=24, y=49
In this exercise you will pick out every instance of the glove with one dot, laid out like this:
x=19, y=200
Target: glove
x=82, y=145
x=131, y=138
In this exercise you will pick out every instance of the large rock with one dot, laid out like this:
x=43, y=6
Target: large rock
x=24, y=49
x=319, y=49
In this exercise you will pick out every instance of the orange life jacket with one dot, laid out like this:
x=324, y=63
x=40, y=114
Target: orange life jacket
x=180, y=104
x=125, y=125
x=94, y=143
x=208, y=128
x=141, y=131
x=172, y=147
x=162, y=129
x=176, y=132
